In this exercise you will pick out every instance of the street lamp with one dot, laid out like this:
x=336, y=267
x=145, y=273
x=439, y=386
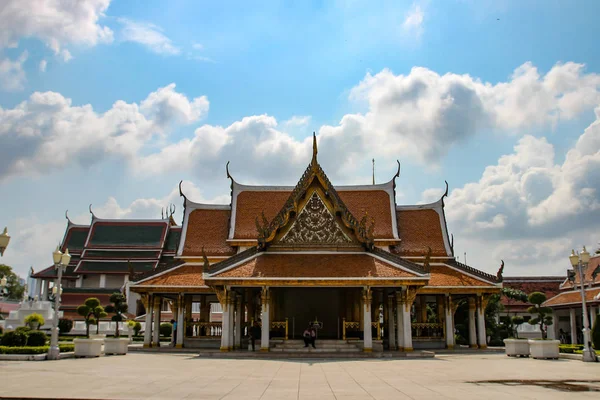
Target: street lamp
x=581, y=261
x=4, y=239
x=61, y=260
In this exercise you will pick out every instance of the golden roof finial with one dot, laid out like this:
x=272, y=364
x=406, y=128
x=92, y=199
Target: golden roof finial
x=315, y=151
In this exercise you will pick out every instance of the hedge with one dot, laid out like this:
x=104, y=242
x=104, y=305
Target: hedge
x=36, y=338
x=569, y=348
x=64, y=348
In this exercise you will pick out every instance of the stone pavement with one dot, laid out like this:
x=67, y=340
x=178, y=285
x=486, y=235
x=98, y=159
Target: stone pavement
x=185, y=376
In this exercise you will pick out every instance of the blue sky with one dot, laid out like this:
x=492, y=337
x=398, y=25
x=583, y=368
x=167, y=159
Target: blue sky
x=88, y=112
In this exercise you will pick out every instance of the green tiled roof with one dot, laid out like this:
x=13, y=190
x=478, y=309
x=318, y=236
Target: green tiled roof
x=173, y=240
x=76, y=239
x=122, y=255
x=51, y=272
x=114, y=266
x=119, y=235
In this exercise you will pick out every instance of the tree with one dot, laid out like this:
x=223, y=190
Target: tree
x=516, y=322
x=91, y=311
x=513, y=295
x=596, y=333
x=118, y=307
x=543, y=319
x=14, y=290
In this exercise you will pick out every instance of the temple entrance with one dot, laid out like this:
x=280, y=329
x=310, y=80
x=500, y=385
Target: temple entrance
x=302, y=305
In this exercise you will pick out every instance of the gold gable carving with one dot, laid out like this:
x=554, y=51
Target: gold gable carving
x=315, y=225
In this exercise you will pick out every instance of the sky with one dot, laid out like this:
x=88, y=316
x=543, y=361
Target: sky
x=113, y=102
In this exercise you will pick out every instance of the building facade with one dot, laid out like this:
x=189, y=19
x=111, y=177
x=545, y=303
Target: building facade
x=346, y=259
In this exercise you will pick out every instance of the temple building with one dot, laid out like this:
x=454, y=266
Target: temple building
x=346, y=259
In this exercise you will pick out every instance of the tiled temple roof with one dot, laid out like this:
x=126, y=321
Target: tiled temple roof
x=593, y=264
x=446, y=275
x=574, y=297
x=207, y=229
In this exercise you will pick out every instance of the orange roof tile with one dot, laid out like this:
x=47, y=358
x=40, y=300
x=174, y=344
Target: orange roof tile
x=314, y=266
x=418, y=230
x=549, y=285
x=443, y=275
x=251, y=204
x=208, y=229
x=573, y=297
x=186, y=275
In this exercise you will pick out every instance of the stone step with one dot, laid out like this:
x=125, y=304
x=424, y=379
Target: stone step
x=318, y=344
x=317, y=350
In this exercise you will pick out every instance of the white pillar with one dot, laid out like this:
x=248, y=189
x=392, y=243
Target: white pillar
x=148, y=327
x=225, y=327
x=573, y=326
x=472, y=328
x=407, y=326
x=481, y=323
x=180, y=323
x=391, y=325
x=400, y=322
x=266, y=324
x=449, y=323
x=102, y=280
x=238, y=322
x=39, y=286
x=231, y=320
x=552, y=334
x=156, y=318
x=367, y=331
x=593, y=314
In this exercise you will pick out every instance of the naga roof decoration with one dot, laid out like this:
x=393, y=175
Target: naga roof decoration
x=268, y=230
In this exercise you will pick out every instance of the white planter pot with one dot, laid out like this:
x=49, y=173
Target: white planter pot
x=97, y=335
x=116, y=346
x=88, y=347
x=544, y=348
x=517, y=347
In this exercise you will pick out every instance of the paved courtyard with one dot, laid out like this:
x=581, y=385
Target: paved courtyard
x=184, y=376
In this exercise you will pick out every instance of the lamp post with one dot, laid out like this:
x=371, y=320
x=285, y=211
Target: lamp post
x=4, y=239
x=581, y=261
x=61, y=260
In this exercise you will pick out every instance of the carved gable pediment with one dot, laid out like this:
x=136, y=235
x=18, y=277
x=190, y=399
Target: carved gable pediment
x=315, y=225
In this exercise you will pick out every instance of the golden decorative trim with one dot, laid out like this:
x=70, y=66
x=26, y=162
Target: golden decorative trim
x=222, y=296
x=409, y=297
x=472, y=303
x=265, y=298
x=484, y=299
x=367, y=298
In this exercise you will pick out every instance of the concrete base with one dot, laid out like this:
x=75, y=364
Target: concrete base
x=116, y=346
x=88, y=347
x=517, y=347
x=544, y=349
x=22, y=357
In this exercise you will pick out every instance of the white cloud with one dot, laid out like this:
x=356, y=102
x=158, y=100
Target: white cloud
x=12, y=75
x=413, y=22
x=197, y=46
x=148, y=35
x=56, y=23
x=529, y=210
x=43, y=65
x=298, y=121
x=47, y=132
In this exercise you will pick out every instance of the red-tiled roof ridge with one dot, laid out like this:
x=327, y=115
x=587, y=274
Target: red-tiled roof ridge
x=438, y=207
x=138, y=278
x=593, y=264
x=189, y=207
x=473, y=271
x=543, y=278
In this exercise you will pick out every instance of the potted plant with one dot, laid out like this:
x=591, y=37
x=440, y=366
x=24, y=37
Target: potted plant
x=516, y=347
x=91, y=311
x=34, y=321
x=130, y=329
x=541, y=348
x=118, y=307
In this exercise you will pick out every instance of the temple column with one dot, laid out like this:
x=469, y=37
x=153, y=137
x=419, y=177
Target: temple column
x=46, y=286
x=593, y=314
x=367, y=332
x=174, y=313
x=148, y=325
x=472, y=328
x=481, y=305
x=231, y=306
x=180, y=323
x=156, y=321
x=409, y=298
x=400, y=321
x=449, y=320
x=238, y=322
x=573, y=326
x=266, y=324
x=225, y=327
x=390, y=323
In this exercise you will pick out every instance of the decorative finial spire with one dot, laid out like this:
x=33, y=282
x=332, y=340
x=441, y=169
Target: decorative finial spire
x=499, y=277
x=373, y=171
x=91, y=212
x=206, y=264
x=181, y=191
x=314, y=156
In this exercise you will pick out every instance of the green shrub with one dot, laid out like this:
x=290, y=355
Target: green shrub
x=596, y=333
x=137, y=328
x=66, y=348
x=35, y=319
x=14, y=339
x=165, y=329
x=36, y=339
x=23, y=350
x=1, y=330
x=65, y=325
x=23, y=329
